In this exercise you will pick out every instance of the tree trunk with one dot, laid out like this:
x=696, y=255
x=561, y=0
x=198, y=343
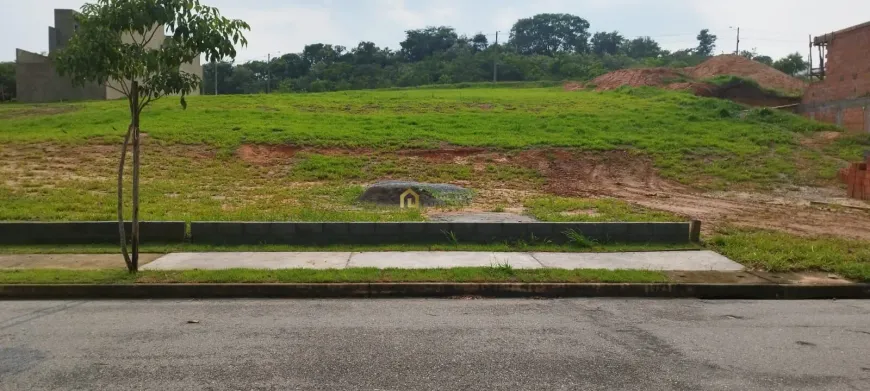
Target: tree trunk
x=121, y=200
x=134, y=235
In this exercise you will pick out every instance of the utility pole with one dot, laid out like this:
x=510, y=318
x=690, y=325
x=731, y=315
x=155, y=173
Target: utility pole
x=738, y=40
x=268, y=72
x=215, y=69
x=495, y=61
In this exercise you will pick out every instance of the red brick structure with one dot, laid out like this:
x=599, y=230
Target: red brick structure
x=843, y=97
x=857, y=179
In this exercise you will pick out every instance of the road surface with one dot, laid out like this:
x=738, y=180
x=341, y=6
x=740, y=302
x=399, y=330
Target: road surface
x=606, y=344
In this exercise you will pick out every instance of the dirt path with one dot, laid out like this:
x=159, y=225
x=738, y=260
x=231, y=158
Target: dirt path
x=631, y=178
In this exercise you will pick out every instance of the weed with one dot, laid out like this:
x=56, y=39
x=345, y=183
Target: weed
x=577, y=239
x=451, y=237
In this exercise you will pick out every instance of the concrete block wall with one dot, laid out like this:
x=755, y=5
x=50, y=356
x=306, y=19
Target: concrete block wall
x=219, y=233
x=87, y=232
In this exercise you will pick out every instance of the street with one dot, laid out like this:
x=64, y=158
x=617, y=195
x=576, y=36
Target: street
x=460, y=344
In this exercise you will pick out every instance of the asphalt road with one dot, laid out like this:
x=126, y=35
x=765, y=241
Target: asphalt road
x=606, y=344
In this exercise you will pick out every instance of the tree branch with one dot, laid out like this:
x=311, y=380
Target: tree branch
x=110, y=86
x=144, y=43
x=124, y=87
x=144, y=103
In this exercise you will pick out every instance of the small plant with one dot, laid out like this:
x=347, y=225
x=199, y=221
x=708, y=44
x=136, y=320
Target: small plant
x=451, y=237
x=519, y=244
x=577, y=239
x=534, y=239
x=498, y=209
x=502, y=266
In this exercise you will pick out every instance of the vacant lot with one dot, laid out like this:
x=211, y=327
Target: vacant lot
x=629, y=154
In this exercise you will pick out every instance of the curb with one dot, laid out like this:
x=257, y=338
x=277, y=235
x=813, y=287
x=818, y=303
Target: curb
x=434, y=290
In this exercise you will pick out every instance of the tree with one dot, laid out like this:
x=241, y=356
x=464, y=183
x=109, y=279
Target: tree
x=706, y=43
x=606, y=43
x=7, y=81
x=548, y=34
x=641, y=47
x=479, y=42
x=766, y=60
x=113, y=47
x=224, y=70
x=791, y=64
x=422, y=43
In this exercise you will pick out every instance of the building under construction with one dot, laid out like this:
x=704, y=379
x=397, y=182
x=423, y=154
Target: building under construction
x=841, y=94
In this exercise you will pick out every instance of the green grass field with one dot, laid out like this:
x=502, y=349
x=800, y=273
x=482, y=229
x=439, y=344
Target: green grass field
x=675, y=129
x=307, y=157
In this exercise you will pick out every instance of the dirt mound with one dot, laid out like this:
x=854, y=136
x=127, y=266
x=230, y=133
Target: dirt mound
x=655, y=77
x=730, y=64
x=692, y=79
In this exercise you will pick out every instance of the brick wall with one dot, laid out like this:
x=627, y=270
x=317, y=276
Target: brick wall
x=857, y=179
x=847, y=77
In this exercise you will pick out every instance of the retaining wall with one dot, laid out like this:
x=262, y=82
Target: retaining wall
x=315, y=233
x=87, y=232
x=370, y=233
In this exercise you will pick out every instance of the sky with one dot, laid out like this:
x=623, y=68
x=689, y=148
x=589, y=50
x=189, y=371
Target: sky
x=772, y=27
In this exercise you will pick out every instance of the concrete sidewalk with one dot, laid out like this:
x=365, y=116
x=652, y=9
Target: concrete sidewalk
x=667, y=260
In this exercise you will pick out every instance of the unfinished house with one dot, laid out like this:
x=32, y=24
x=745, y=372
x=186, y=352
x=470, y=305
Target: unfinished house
x=38, y=81
x=842, y=94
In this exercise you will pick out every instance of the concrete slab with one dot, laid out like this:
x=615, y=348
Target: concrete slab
x=664, y=260
x=441, y=259
x=250, y=260
x=69, y=261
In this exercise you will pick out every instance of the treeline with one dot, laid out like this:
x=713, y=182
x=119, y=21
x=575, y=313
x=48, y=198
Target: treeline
x=543, y=47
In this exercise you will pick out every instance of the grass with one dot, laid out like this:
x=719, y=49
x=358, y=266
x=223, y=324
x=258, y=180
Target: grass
x=566, y=209
x=536, y=244
x=677, y=129
x=462, y=274
x=781, y=252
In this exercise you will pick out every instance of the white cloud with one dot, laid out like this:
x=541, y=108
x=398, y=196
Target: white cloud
x=284, y=30
x=778, y=27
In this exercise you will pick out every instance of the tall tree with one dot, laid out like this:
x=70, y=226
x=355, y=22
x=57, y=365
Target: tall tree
x=606, y=43
x=112, y=46
x=479, y=42
x=642, y=47
x=548, y=34
x=319, y=52
x=706, y=43
x=792, y=64
x=422, y=43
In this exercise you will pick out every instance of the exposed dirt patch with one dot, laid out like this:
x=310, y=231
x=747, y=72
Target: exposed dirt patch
x=445, y=155
x=693, y=79
x=820, y=139
x=619, y=174
x=656, y=77
x=633, y=178
x=766, y=76
x=573, y=86
x=266, y=154
x=34, y=111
